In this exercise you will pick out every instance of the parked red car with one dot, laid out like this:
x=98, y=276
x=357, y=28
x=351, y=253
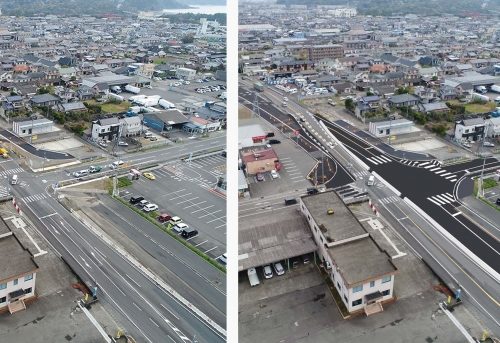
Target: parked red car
x=164, y=217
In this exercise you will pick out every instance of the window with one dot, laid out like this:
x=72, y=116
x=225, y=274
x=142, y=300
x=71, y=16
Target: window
x=347, y=301
x=386, y=279
x=24, y=131
x=3, y=285
x=28, y=277
x=27, y=290
x=338, y=285
x=16, y=281
x=372, y=283
x=387, y=292
x=357, y=289
x=3, y=299
x=357, y=302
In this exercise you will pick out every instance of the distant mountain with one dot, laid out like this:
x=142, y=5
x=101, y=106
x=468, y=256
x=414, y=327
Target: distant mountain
x=422, y=7
x=205, y=2
x=81, y=7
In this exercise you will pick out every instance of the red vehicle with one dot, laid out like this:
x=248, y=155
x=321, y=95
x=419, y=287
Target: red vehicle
x=164, y=217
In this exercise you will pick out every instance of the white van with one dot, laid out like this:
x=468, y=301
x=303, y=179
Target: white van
x=14, y=180
x=371, y=180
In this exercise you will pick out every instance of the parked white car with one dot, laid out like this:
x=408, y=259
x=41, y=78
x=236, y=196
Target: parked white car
x=150, y=207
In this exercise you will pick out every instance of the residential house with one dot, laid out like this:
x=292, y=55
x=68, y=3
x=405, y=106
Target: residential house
x=493, y=127
x=132, y=126
x=471, y=129
x=106, y=129
x=44, y=100
x=403, y=100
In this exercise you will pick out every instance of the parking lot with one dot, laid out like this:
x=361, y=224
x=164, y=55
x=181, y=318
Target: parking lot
x=187, y=192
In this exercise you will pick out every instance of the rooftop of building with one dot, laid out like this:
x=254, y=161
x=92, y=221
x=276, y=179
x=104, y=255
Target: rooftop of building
x=338, y=226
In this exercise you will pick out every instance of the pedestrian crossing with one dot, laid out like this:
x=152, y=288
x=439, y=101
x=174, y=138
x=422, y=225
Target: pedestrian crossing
x=360, y=175
x=388, y=200
x=11, y=171
x=442, y=199
x=433, y=166
x=34, y=197
x=421, y=164
x=381, y=159
x=4, y=191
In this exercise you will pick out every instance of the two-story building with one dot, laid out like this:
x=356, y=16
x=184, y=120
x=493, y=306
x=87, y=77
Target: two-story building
x=363, y=273
x=17, y=272
x=106, y=129
x=471, y=129
x=132, y=126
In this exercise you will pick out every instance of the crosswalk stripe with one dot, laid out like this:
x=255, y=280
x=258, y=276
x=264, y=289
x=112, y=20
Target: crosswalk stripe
x=434, y=169
x=385, y=158
x=442, y=198
x=429, y=166
x=450, y=177
x=435, y=201
x=373, y=162
x=423, y=164
x=440, y=171
x=443, y=175
x=453, y=180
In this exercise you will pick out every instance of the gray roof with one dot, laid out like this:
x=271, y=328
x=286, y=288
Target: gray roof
x=15, y=260
x=434, y=106
x=42, y=98
x=108, y=121
x=338, y=226
x=73, y=106
x=173, y=116
x=402, y=98
x=266, y=239
x=361, y=260
x=473, y=121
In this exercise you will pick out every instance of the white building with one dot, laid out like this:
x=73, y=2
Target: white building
x=17, y=272
x=493, y=127
x=469, y=129
x=343, y=12
x=361, y=271
x=392, y=127
x=106, y=129
x=185, y=73
x=27, y=127
x=131, y=126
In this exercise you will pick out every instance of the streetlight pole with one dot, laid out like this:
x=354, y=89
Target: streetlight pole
x=31, y=135
x=480, y=188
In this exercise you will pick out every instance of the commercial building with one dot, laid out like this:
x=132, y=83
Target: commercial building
x=328, y=51
x=361, y=271
x=259, y=160
x=165, y=120
x=25, y=128
x=185, y=73
x=17, y=272
x=392, y=127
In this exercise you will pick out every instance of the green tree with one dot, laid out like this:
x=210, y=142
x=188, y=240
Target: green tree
x=349, y=104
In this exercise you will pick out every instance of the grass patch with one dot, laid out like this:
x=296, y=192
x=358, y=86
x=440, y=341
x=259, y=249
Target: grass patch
x=489, y=183
x=480, y=108
x=489, y=203
x=115, y=107
x=152, y=219
x=124, y=182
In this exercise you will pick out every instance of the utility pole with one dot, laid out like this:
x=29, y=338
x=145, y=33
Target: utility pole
x=480, y=188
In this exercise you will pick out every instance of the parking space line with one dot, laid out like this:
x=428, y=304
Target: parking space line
x=219, y=226
x=196, y=204
x=201, y=243
x=202, y=209
x=181, y=196
x=220, y=218
x=180, y=190
x=211, y=249
x=209, y=214
x=187, y=200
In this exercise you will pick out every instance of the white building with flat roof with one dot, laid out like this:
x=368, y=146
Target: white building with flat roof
x=17, y=272
x=363, y=273
x=185, y=73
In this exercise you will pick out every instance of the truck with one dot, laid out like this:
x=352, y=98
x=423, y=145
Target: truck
x=477, y=96
x=495, y=113
x=166, y=104
x=116, y=89
x=132, y=89
x=258, y=86
x=481, y=89
x=495, y=89
x=148, y=101
x=136, y=97
x=114, y=96
x=253, y=277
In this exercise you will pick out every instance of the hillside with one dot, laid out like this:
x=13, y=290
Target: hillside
x=422, y=7
x=83, y=7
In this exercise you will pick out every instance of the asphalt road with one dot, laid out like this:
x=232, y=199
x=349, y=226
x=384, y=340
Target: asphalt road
x=53, y=155
x=335, y=176
x=151, y=313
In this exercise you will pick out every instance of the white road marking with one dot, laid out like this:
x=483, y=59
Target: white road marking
x=173, y=314
x=456, y=214
x=210, y=214
x=201, y=209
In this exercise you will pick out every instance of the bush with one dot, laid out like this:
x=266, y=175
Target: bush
x=349, y=104
x=123, y=182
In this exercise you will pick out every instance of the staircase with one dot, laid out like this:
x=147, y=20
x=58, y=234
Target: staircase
x=373, y=308
x=16, y=306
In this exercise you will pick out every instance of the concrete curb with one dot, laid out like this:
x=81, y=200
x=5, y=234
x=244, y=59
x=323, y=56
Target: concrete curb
x=476, y=260
x=155, y=278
